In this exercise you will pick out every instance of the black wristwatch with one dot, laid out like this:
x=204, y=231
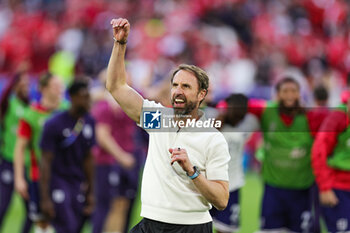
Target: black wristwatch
x=195, y=174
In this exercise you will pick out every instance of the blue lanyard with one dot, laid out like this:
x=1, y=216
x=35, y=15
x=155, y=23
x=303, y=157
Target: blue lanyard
x=74, y=134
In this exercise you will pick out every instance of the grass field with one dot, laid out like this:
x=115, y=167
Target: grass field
x=250, y=197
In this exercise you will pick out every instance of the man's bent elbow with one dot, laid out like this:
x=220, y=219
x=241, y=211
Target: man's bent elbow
x=221, y=205
x=221, y=200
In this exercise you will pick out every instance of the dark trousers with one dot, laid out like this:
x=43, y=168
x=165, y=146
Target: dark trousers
x=151, y=226
x=6, y=192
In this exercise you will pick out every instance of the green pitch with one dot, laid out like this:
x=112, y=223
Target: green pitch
x=250, y=197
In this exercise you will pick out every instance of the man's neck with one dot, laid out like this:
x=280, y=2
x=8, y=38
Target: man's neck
x=289, y=111
x=183, y=117
x=74, y=113
x=47, y=104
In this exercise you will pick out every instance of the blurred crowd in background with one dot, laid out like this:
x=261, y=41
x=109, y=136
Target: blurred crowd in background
x=245, y=45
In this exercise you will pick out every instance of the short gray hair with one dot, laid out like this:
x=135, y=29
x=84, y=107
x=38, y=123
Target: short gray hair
x=201, y=75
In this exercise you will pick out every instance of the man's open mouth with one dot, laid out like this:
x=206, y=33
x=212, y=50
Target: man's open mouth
x=179, y=103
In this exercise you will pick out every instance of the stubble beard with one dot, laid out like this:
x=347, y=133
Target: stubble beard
x=187, y=110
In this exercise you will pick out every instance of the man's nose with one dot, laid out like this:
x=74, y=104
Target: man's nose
x=290, y=96
x=178, y=90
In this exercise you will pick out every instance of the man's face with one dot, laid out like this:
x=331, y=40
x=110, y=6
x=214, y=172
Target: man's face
x=185, y=94
x=81, y=101
x=54, y=90
x=289, y=94
x=22, y=87
x=235, y=113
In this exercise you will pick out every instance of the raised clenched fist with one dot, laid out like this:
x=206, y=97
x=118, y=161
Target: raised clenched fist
x=121, y=29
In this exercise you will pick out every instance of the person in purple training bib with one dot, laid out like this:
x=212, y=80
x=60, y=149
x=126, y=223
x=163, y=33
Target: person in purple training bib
x=66, y=172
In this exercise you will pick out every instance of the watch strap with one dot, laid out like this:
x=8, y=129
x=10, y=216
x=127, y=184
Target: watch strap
x=195, y=174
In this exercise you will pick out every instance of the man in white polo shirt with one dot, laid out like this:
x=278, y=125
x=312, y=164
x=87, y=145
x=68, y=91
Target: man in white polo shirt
x=185, y=172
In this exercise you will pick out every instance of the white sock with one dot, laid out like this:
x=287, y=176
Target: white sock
x=38, y=229
x=48, y=229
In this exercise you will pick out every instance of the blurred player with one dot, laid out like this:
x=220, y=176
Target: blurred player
x=321, y=111
x=288, y=131
x=321, y=96
x=14, y=101
x=116, y=185
x=29, y=134
x=66, y=181
x=175, y=195
x=331, y=165
x=237, y=128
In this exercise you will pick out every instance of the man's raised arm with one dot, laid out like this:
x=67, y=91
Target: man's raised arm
x=130, y=101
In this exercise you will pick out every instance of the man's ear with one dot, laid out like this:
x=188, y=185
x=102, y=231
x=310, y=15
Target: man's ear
x=202, y=94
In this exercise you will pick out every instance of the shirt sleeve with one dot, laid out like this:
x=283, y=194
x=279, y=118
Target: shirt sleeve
x=48, y=140
x=24, y=130
x=218, y=158
x=324, y=144
x=315, y=119
x=250, y=124
x=257, y=107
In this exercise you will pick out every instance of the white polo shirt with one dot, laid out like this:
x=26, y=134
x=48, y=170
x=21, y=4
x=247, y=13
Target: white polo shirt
x=167, y=193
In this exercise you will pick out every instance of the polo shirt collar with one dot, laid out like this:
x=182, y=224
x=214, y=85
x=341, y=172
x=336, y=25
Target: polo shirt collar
x=186, y=129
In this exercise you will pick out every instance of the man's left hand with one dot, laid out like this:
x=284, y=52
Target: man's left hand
x=180, y=156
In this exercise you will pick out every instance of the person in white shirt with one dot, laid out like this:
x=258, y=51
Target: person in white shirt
x=186, y=172
x=238, y=125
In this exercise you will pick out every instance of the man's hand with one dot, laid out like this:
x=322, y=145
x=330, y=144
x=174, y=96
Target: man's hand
x=129, y=100
x=90, y=204
x=180, y=156
x=127, y=160
x=214, y=191
x=21, y=187
x=328, y=198
x=121, y=29
x=47, y=207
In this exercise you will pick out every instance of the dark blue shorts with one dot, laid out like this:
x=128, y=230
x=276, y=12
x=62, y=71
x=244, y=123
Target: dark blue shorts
x=287, y=209
x=69, y=200
x=34, y=202
x=6, y=173
x=228, y=219
x=113, y=181
x=338, y=218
